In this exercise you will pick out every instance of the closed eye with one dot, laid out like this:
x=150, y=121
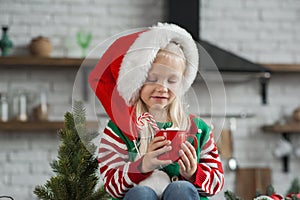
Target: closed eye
x=151, y=80
x=173, y=79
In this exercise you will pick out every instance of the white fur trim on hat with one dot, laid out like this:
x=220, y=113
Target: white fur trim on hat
x=141, y=54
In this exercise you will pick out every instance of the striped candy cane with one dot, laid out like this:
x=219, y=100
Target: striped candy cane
x=149, y=119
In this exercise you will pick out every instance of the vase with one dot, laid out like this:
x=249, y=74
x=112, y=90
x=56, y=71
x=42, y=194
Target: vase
x=296, y=114
x=5, y=43
x=40, y=46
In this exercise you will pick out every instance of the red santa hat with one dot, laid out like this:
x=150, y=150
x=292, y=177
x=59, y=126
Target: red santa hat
x=122, y=70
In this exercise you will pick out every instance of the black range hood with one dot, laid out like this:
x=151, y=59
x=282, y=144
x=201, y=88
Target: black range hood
x=187, y=15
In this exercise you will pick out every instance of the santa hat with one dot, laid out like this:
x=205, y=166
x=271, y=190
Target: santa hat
x=122, y=70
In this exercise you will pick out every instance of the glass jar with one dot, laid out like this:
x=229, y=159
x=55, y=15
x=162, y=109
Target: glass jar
x=19, y=106
x=40, y=111
x=3, y=108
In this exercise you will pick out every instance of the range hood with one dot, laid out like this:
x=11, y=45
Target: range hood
x=232, y=67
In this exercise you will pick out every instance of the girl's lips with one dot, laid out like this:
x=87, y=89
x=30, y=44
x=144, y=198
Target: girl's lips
x=159, y=97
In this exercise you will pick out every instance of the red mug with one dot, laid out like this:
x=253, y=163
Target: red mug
x=177, y=137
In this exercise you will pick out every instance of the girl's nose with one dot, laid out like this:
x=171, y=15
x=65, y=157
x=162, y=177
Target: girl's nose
x=161, y=88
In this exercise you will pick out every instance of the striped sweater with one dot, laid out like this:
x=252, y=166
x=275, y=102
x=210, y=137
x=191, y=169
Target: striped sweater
x=120, y=172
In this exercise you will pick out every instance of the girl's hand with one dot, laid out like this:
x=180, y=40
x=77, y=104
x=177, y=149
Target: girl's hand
x=157, y=143
x=156, y=147
x=187, y=161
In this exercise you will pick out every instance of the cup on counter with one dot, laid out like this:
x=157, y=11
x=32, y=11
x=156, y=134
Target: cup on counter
x=177, y=137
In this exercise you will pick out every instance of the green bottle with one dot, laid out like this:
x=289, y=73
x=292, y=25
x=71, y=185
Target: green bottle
x=5, y=43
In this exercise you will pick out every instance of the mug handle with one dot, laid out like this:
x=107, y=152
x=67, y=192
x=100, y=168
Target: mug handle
x=195, y=140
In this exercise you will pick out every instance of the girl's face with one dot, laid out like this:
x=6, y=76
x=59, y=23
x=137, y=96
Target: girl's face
x=164, y=82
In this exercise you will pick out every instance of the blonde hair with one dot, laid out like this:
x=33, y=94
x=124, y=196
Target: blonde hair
x=172, y=51
x=176, y=110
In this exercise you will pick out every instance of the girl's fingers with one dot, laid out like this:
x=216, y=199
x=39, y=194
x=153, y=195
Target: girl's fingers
x=189, y=151
x=160, y=151
x=159, y=144
x=181, y=165
x=158, y=138
x=162, y=163
x=185, y=159
x=192, y=149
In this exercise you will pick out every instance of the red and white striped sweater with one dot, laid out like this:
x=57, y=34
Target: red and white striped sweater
x=120, y=173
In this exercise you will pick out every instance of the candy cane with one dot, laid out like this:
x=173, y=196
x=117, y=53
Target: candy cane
x=148, y=118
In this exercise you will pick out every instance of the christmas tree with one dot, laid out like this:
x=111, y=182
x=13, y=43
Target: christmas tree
x=292, y=194
x=231, y=196
x=76, y=167
x=294, y=191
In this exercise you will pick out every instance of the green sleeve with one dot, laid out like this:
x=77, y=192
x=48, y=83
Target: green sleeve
x=203, y=131
x=202, y=135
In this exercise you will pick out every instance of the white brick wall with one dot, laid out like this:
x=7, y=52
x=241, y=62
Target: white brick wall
x=262, y=31
x=60, y=20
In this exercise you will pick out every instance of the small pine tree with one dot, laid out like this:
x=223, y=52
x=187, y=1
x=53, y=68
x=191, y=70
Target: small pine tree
x=229, y=195
x=295, y=187
x=76, y=167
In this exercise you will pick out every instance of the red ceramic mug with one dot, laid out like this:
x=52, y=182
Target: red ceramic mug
x=177, y=137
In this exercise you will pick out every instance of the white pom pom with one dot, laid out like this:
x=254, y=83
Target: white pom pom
x=158, y=181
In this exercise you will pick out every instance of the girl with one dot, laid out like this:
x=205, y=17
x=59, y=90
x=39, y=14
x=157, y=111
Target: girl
x=140, y=81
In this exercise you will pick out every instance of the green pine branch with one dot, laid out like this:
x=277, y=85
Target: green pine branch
x=75, y=167
x=229, y=195
x=295, y=187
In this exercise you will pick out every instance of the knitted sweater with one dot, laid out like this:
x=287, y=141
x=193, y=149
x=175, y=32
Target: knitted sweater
x=120, y=172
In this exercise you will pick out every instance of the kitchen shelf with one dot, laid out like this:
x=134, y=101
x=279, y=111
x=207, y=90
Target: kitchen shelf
x=285, y=130
x=35, y=126
x=34, y=61
x=282, y=67
x=40, y=62
x=291, y=127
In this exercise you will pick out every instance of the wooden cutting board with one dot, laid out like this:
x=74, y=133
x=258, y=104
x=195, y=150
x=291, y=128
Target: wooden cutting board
x=225, y=146
x=250, y=180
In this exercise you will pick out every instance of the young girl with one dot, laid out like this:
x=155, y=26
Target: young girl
x=140, y=81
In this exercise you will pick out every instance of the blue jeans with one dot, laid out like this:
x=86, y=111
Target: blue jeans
x=175, y=190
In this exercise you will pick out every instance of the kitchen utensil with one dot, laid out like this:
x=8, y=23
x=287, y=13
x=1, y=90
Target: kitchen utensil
x=283, y=148
x=225, y=144
x=232, y=163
